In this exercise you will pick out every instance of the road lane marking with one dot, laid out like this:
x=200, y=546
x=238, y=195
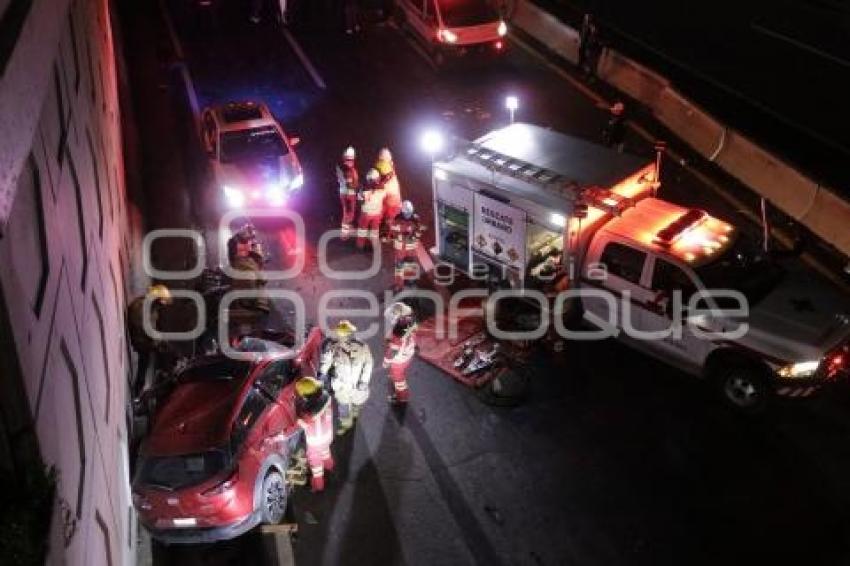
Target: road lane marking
x=172, y=33
x=305, y=61
x=189, y=84
x=730, y=199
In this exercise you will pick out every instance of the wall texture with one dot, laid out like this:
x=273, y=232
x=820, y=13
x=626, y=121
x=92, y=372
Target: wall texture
x=65, y=249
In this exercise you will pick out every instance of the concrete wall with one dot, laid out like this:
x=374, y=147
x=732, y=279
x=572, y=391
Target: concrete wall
x=819, y=208
x=65, y=248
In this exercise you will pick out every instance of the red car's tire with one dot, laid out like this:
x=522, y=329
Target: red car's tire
x=274, y=498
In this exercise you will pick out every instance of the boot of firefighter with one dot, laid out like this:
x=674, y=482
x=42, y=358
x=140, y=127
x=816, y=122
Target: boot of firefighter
x=317, y=483
x=346, y=418
x=399, y=393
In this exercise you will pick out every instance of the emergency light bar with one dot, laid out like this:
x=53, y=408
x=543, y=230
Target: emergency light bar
x=607, y=200
x=673, y=231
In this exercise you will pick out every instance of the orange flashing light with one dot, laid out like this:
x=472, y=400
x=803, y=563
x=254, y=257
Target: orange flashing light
x=679, y=227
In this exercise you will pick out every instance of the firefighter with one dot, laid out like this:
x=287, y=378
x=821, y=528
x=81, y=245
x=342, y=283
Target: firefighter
x=315, y=416
x=349, y=183
x=347, y=362
x=371, y=208
x=406, y=231
x=400, y=347
x=246, y=255
x=144, y=344
x=392, y=190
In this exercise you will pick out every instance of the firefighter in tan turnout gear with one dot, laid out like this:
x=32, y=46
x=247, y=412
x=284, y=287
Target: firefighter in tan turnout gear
x=347, y=363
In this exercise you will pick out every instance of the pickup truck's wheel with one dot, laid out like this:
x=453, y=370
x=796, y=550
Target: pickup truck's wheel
x=743, y=387
x=274, y=498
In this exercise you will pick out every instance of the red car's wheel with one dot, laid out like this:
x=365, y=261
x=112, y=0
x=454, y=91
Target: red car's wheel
x=274, y=498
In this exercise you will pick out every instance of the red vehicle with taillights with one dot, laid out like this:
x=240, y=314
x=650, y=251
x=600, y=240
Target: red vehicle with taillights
x=215, y=463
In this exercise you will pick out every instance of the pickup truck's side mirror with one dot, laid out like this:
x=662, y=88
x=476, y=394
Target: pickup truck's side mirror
x=661, y=303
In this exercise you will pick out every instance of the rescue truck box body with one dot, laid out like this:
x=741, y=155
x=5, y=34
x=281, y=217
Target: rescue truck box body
x=523, y=192
x=503, y=202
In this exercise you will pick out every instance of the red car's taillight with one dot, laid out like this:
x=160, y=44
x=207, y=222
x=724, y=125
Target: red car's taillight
x=223, y=486
x=836, y=363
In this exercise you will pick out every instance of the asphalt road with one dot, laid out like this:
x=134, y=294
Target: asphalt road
x=614, y=459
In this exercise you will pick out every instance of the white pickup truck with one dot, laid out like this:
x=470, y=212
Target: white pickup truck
x=671, y=270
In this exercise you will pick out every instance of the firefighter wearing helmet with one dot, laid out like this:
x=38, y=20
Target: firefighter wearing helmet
x=406, y=232
x=157, y=297
x=392, y=190
x=347, y=363
x=314, y=410
x=349, y=184
x=371, y=209
x=399, y=350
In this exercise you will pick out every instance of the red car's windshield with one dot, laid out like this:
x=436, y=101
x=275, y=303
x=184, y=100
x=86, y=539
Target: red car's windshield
x=177, y=472
x=460, y=13
x=216, y=369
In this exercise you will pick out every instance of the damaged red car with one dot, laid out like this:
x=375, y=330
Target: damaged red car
x=222, y=441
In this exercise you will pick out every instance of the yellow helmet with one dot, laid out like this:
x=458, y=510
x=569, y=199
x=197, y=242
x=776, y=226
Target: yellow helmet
x=384, y=166
x=307, y=386
x=344, y=328
x=161, y=292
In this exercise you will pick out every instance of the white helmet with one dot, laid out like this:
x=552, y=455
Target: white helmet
x=373, y=176
x=349, y=153
x=407, y=209
x=385, y=155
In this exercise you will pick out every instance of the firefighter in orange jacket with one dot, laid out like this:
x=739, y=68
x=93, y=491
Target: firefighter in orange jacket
x=392, y=190
x=371, y=209
x=400, y=347
x=349, y=183
x=315, y=416
x=406, y=231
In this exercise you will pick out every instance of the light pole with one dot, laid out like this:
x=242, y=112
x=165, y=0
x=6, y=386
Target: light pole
x=512, y=103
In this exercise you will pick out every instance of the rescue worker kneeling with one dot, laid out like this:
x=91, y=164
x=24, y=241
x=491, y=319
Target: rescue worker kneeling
x=348, y=363
x=371, y=209
x=406, y=231
x=315, y=416
x=400, y=347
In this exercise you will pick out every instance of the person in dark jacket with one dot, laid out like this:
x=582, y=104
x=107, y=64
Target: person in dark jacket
x=143, y=343
x=615, y=129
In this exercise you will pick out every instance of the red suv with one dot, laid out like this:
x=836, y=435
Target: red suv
x=214, y=465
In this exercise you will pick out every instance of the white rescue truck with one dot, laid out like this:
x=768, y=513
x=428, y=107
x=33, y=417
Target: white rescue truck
x=529, y=208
